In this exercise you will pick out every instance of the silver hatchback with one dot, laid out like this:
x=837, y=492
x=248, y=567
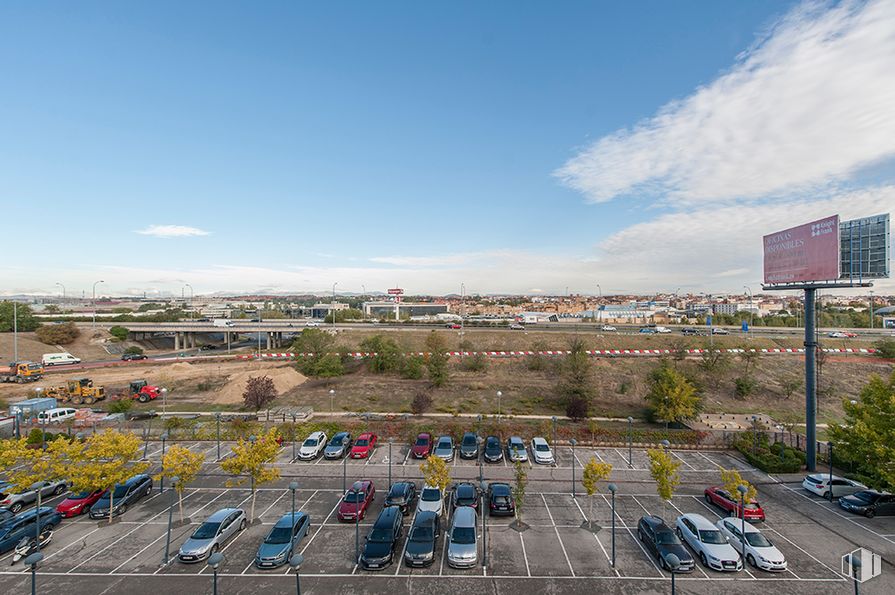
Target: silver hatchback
x=463, y=546
x=212, y=534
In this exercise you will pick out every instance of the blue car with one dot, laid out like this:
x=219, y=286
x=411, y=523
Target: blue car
x=283, y=540
x=24, y=525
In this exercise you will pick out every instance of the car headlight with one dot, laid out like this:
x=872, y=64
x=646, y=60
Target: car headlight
x=714, y=559
x=763, y=559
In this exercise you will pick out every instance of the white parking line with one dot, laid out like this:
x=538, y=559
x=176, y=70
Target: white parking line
x=717, y=466
x=320, y=528
x=563, y=547
x=678, y=457
x=404, y=549
x=77, y=541
x=524, y=555
x=406, y=456
x=798, y=492
x=637, y=541
x=806, y=553
x=625, y=459
x=596, y=452
x=600, y=543
x=286, y=491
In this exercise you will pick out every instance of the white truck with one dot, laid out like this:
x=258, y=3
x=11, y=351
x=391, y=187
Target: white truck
x=222, y=322
x=59, y=359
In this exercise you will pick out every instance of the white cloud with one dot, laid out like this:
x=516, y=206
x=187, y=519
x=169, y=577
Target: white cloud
x=172, y=231
x=807, y=106
x=430, y=261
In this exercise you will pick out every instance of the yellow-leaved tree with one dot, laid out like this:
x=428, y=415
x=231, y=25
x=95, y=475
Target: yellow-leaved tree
x=253, y=459
x=436, y=473
x=731, y=480
x=102, y=461
x=664, y=470
x=185, y=465
x=34, y=468
x=594, y=472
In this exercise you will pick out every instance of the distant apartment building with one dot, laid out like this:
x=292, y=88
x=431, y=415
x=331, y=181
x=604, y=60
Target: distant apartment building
x=403, y=309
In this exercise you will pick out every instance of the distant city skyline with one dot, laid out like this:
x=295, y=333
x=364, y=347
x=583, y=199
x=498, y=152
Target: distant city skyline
x=533, y=149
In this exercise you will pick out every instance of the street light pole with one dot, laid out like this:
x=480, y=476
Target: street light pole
x=94, y=302
x=482, y=487
x=164, y=437
x=499, y=395
x=293, y=437
x=333, y=308
x=673, y=563
x=830, y=453
x=751, y=311
x=573, y=442
x=389, y=464
x=174, y=479
x=630, y=441
x=36, y=558
x=871, y=327
x=15, y=330
x=293, y=485
x=332, y=407
x=344, y=472
x=612, y=488
x=742, y=490
x=214, y=560
x=295, y=562
x=63, y=289
x=217, y=418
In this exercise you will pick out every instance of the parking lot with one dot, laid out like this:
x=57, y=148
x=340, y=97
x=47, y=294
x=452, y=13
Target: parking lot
x=555, y=552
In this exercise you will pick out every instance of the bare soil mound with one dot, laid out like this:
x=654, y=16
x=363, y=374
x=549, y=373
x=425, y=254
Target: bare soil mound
x=285, y=378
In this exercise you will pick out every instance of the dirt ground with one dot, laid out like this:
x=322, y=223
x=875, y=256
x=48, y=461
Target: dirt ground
x=88, y=346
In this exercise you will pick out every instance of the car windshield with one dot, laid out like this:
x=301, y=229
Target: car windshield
x=422, y=534
x=422, y=442
x=868, y=497
x=362, y=442
x=500, y=499
x=757, y=540
x=206, y=531
x=431, y=495
x=469, y=441
x=337, y=441
x=711, y=536
x=666, y=538
x=380, y=534
x=80, y=495
x=279, y=535
x=310, y=442
x=492, y=443
x=397, y=491
x=516, y=445
x=752, y=506
x=354, y=497
x=119, y=492
x=463, y=535
x=444, y=444
x=815, y=479
x=542, y=448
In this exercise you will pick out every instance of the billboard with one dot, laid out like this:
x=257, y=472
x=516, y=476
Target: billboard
x=806, y=253
x=864, y=248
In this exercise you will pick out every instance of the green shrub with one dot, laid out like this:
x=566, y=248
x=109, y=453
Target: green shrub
x=474, y=363
x=58, y=334
x=412, y=367
x=121, y=405
x=885, y=348
x=133, y=350
x=768, y=457
x=744, y=386
x=119, y=332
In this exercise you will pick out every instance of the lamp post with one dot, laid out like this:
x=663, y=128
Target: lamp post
x=294, y=563
x=630, y=441
x=673, y=563
x=15, y=330
x=482, y=488
x=36, y=558
x=499, y=395
x=293, y=437
x=164, y=437
x=293, y=485
x=63, y=289
x=148, y=432
x=191, y=299
x=751, y=311
x=554, y=430
x=830, y=453
x=389, y=464
x=855, y=567
x=742, y=490
x=333, y=309
x=356, y=529
x=94, y=302
x=214, y=560
x=332, y=396
x=164, y=392
x=612, y=488
x=217, y=419
x=344, y=472
x=174, y=479
x=573, y=442
x=871, y=327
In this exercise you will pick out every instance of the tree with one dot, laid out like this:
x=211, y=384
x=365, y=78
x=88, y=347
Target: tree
x=25, y=466
x=576, y=386
x=437, y=360
x=731, y=480
x=436, y=473
x=104, y=460
x=119, y=332
x=421, y=403
x=790, y=386
x=518, y=489
x=412, y=367
x=385, y=355
x=594, y=472
x=252, y=459
x=58, y=334
x=744, y=386
x=328, y=366
x=259, y=392
x=184, y=464
x=867, y=437
x=133, y=350
x=664, y=470
x=884, y=348
x=713, y=360
x=314, y=343
x=749, y=357
x=671, y=397
x=23, y=317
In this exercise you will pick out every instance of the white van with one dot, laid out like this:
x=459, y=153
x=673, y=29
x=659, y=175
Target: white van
x=59, y=359
x=57, y=415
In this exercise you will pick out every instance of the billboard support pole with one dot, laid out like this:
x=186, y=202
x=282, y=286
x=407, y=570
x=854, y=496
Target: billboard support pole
x=810, y=380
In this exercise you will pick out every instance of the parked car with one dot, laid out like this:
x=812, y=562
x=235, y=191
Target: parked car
x=17, y=501
x=823, y=486
x=493, y=451
x=462, y=549
x=708, y=542
x=6, y=515
x=541, y=452
x=500, y=500
x=760, y=552
x=721, y=498
x=469, y=446
x=25, y=524
x=466, y=494
x=78, y=503
x=211, y=535
x=431, y=500
x=659, y=540
x=312, y=447
x=356, y=500
x=444, y=448
x=116, y=501
x=130, y=357
x=338, y=446
x=282, y=540
x=422, y=541
x=363, y=446
x=869, y=503
x=608, y=328
x=401, y=494
x=516, y=450
x=423, y=446
x=379, y=548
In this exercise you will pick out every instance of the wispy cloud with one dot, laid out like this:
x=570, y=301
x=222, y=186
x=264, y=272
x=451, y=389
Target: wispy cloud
x=808, y=105
x=431, y=261
x=172, y=231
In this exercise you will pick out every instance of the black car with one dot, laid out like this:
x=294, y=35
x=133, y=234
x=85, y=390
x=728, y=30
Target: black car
x=659, y=539
x=208, y=347
x=869, y=503
x=121, y=497
x=493, y=451
x=379, y=548
x=422, y=540
x=129, y=357
x=402, y=494
x=500, y=500
x=469, y=446
x=203, y=320
x=466, y=494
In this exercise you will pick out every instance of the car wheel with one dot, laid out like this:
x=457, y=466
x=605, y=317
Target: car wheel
x=751, y=561
x=870, y=513
x=708, y=499
x=640, y=535
x=122, y=509
x=703, y=559
x=242, y=525
x=679, y=532
x=16, y=507
x=827, y=496
x=59, y=489
x=215, y=548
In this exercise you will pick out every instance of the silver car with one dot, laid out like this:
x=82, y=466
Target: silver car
x=708, y=543
x=16, y=502
x=444, y=448
x=516, y=450
x=463, y=547
x=212, y=534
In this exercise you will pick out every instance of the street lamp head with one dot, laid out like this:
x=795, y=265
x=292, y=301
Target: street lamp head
x=152, y=413
x=742, y=489
x=554, y=419
x=215, y=559
x=217, y=416
x=855, y=562
x=175, y=479
x=79, y=436
x=293, y=485
x=573, y=442
x=164, y=436
x=630, y=420
x=673, y=561
x=296, y=561
x=665, y=444
x=34, y=559
x=612, y=487
x=499, y=394
x=252, y=438
x=332, y=391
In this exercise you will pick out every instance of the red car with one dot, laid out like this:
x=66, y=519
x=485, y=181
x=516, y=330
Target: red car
x=423, y=446
x=453, y=325
x=78, y=503
x=719, y=497
x=356, y=501
x=363, y=446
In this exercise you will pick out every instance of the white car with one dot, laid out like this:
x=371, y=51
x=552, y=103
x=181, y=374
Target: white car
x=608, y=328
x=312, y=323
x=541, y=452
x=821, y=485
x=708, y=543
x=431, y=499
x=663, y=330
x=312, y=447
x=760, y=552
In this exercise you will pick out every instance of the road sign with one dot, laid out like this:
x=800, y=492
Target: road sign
x=708, y=321
x=861, y=565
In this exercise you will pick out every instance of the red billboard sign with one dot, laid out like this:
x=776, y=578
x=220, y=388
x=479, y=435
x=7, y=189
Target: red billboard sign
x=802, y=254
x=396, y=291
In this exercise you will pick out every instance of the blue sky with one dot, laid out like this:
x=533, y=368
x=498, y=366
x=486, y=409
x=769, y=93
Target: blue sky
x=511, y=146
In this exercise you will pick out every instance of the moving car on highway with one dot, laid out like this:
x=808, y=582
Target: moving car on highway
x=211, y=535
x=282, y=540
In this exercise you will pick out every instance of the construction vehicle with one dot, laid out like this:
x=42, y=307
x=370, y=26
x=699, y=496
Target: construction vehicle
x=21, y=372
x=144, y=392
x=77, y=392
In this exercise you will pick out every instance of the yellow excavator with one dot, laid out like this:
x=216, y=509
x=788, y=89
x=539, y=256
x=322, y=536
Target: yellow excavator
x=77, y=392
